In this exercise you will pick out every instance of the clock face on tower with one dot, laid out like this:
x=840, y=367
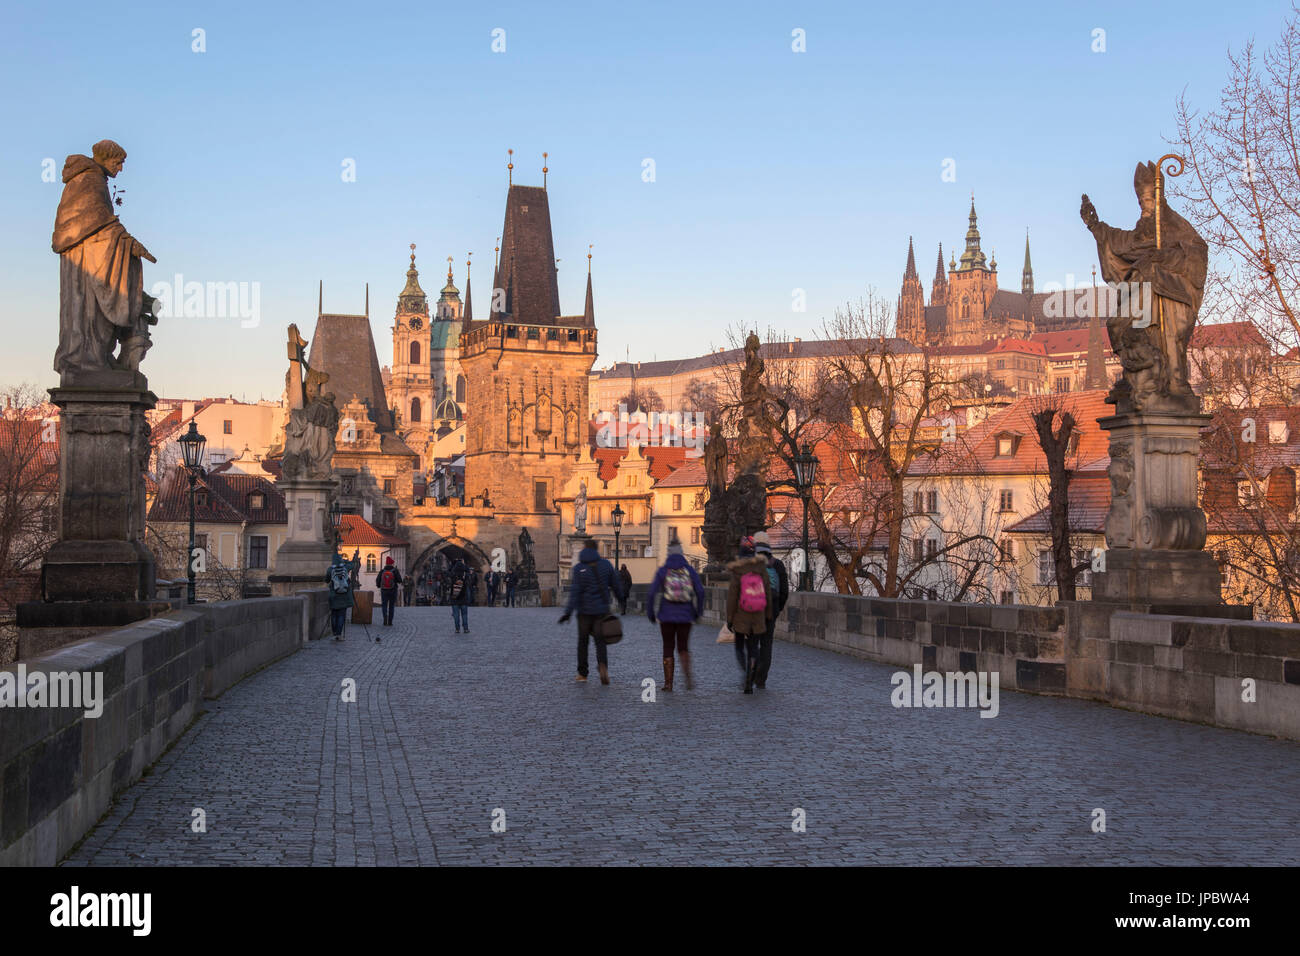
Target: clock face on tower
x=416, y=325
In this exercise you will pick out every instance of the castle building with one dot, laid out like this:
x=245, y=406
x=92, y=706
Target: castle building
x=966, y=305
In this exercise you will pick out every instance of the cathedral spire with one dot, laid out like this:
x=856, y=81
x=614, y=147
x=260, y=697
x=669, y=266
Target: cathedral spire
x=910, y=271
x=939, y=290
x=1096, y=376
x=1027, y=275
x=973, y=257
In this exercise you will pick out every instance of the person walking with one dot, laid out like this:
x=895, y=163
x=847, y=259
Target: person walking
x=388, y=581
x=780, y=578
x=458, y=595
x=408, y=588
x=339, y=580
x=681, y=594
x=512, y=582
x=626, y=577
x=589, y=594
x=750, y=602
x=493, y=583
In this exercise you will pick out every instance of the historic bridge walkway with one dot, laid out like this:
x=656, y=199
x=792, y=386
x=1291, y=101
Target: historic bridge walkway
x=447, y=728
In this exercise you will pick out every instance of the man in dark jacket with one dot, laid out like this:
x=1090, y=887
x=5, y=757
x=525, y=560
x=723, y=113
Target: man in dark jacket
x=681, y=602
x=493, y=582
x=593, y=578
x=780, y=580
x=512, y=582
x=625, y=576
x=388, y=581
x=458, y=586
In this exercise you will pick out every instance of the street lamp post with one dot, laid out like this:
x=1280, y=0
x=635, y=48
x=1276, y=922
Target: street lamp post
x=192, y=445
x=805, y=473
x=336, y=521
x=617, y=517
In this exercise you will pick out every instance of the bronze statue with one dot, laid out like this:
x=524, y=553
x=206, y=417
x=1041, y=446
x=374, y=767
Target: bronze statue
x=753, y=400
x=1159, y=267
x=102, y=302
x=715, y=459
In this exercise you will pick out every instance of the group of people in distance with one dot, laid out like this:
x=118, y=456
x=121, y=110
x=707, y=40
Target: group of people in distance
x=757, y=594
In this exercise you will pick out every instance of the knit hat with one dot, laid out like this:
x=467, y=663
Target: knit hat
x=762, y=538
x=762, y=547
x=675, y=547
x=390, y=560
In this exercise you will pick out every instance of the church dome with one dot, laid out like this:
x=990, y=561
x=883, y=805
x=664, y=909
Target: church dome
x=448, y=411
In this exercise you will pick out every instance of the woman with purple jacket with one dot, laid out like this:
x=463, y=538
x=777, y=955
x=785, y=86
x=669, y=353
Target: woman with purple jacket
x=681, y=602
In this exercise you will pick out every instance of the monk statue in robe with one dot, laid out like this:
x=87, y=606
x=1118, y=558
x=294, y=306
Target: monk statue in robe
x=102, y=302
x=313, y=417
x=1164, y=260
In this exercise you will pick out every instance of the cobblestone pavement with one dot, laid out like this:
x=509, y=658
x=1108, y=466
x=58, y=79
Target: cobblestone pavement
x=447, y=728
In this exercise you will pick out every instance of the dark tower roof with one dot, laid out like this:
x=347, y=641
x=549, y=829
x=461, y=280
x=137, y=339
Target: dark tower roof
x=526, y=269
x=910, y=271
x=588, y=309
x=343, y=347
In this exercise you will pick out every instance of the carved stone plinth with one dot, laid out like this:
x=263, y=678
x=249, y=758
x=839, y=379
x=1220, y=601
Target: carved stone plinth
x=100, y=554
x=305, y=555
x=1156, y=529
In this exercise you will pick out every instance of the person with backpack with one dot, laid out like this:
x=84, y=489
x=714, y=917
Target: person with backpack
x=681, y=594
x=589, y=594
x=458, y=595
x=750, y=603
x=338, y=579
x=780, y=578
x=388, y=581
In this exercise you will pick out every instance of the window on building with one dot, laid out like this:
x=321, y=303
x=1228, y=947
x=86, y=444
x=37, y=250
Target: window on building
x=918, y=502
x=201, y=541
x=460, y=389
x=931, y=547
x=1046, y=568
x=539, y=496
x=201, y=498
x=552, y=335
x=918, y=550
x=532, y=332
x=1006, y=446
x=672, y=535
x=512, y=331
x=1062, y=384
x=1083, y=558
x=348, y=484
x=630, y=481
x=1007, y=551
x=415, y=353
x=677, y=502
x=1002, y=364
x=370, y=563
x=1006, y=500
x=256, y=501
x=228, y=427
x=415, y=409
x=389, y=485
x=389, y=517
x=1007, y=597
x=573, y=335
x=258, y=550
x=695, y=536
x=932, y=502
x=1249, y=495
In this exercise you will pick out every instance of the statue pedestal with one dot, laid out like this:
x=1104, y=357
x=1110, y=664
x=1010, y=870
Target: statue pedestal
x=305, y=555
x=1156, y=529
x=98, y=574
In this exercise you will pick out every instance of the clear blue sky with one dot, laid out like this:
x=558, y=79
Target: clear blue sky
x=775, y=170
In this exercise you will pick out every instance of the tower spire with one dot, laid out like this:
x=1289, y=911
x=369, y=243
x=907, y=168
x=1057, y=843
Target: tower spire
x=589, y=310
x=939, y=290
x=910, y=271
x=973, y=257
x=469, y=306
x=1027, y=274
x=510, y=167
x=320, y=300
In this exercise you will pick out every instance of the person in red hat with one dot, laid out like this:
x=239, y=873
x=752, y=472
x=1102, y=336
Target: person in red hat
x=388, y=581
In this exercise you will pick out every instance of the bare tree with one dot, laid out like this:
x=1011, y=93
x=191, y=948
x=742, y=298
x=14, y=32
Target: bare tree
x=642, y=398
x=1242, y=187
x=1054, y=426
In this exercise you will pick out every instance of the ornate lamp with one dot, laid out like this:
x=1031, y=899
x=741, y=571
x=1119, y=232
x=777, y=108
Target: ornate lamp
x=192, y=445
x=616, y=516
x=805, y=474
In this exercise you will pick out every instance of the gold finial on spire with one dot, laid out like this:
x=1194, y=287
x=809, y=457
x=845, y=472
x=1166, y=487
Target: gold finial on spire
x=467, y=255
x=544, y=170
x=588, y=258
x=412, y=255
x=449, y=260
x=510, y=166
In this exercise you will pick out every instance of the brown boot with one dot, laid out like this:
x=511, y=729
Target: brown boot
x=668, y=674
x=686, y=671
x=604, y=673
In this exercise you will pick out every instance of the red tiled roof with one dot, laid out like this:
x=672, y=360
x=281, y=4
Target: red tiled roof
x=663, y=459
x=1089, y=506
x=228, y=499
x=1069, y=342
x=1227, y=335
x=356, y=531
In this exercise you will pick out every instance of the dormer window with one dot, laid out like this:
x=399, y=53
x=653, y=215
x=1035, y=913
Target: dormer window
x=256, y=501
x=1006, y=444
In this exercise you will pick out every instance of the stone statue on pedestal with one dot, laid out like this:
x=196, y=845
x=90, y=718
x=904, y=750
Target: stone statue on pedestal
x=1155, y=530
x=102, y=302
